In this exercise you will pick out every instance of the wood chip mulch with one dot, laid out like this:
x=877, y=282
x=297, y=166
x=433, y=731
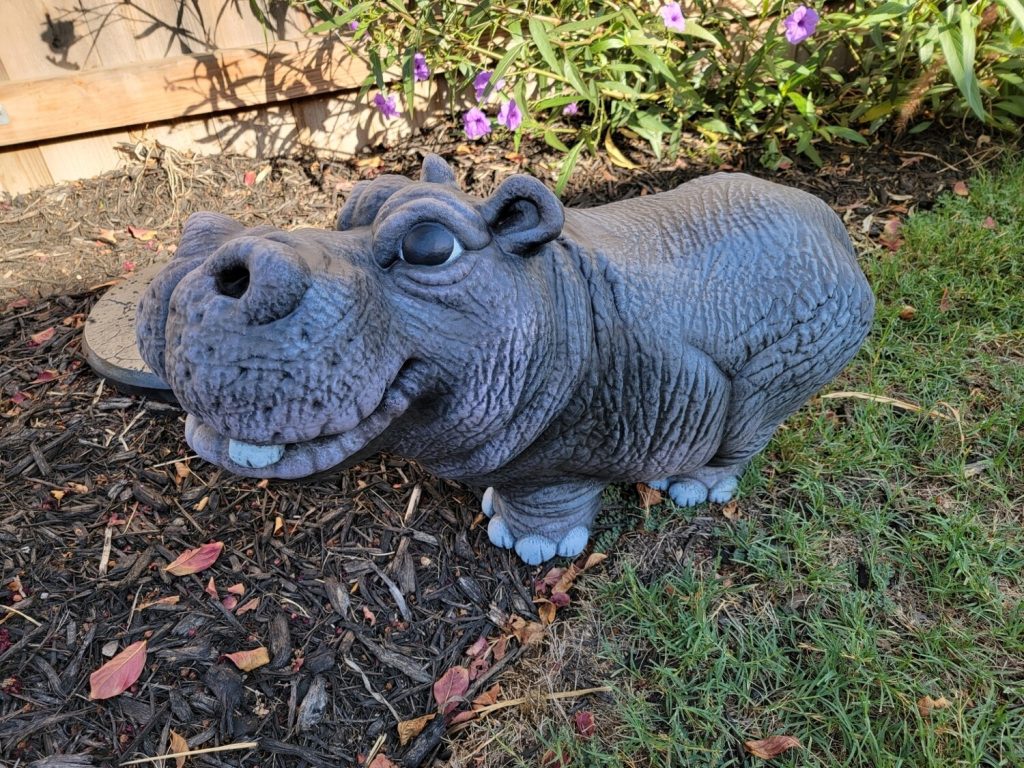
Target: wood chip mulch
x=364, y=588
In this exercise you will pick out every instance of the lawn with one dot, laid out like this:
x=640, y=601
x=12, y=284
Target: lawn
x=865, y=593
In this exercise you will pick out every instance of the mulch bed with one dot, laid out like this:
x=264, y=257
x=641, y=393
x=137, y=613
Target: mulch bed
x=370, y=584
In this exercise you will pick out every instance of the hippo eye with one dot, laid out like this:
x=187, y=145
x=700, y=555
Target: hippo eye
x=429, y=245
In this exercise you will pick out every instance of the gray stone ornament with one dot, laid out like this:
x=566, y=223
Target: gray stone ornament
x=510, y=344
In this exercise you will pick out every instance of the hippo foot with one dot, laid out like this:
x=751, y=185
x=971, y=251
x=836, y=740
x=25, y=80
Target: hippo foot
x=717, y=485
x=538, y=533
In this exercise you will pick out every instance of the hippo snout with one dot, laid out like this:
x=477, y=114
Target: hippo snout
x=267, y=278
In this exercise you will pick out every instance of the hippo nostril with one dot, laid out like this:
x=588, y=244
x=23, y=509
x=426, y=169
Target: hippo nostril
x=233, y=280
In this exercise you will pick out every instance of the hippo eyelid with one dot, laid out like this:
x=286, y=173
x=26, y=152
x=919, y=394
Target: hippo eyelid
x=427, y=245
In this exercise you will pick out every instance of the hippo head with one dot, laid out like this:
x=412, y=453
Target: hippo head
x=431, y=323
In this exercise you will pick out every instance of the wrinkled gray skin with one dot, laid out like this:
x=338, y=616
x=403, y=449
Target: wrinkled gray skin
x=660, y=339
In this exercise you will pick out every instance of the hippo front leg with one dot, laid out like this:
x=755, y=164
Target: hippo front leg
x=540, y=522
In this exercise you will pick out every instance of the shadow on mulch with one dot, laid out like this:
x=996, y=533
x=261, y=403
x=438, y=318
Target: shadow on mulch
x=365, y=587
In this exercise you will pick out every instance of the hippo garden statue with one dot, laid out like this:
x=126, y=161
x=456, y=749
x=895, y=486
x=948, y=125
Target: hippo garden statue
x=535, y=352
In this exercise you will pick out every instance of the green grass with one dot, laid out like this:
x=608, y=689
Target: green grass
x=879, y=555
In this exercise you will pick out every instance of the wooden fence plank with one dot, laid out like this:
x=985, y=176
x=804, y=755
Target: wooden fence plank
x=183, y=86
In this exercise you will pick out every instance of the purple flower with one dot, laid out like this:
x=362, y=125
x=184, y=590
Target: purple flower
x=476, y=123
x=420, y=70
x=510, y=115
x=570, y=109
x=672, y=15
x=353, y=25
x=388, y=107
x=800, y=24
x=481, y=81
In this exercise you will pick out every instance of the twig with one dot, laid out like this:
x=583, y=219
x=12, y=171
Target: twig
x=901, y=404
x=193, y=752
x=369, y=688
x=25, y=616
x=524, y=699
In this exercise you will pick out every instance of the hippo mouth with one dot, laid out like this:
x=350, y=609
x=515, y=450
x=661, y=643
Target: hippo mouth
x=290, y=461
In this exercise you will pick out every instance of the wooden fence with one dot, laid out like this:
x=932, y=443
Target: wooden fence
x=81, y=80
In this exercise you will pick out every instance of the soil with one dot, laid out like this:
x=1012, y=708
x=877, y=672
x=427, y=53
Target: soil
x=365, y=587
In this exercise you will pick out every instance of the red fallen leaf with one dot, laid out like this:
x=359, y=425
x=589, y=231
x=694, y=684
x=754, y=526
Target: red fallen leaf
x=20, y=397
x=45, y=376
x=381, y=761
x=477, y=667
x=249, y=660
x=771, y=747
x=560, y=599
x=584, y=721
x=229, y=602
x=16, y=304
x=36, y=339
x=989, y=223
x=139, y=233
x=370, y=616
x=450, y=688
x=119, y=674
x=960, y=188
x=128, y=266
x=211, y=589
x=249, y=178
x=195, y=560
x=479, y=648
x=541, y=586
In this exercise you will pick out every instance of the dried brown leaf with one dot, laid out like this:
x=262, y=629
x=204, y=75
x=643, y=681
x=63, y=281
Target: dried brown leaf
x=168, y=600
x=526, y=632
x=944, y=303
x=119, y=674
x=908, y=312
x=195, y=560
x=960, y=188
x=410, y=729
x=139, y=233
x=649, y=497
x=595, y=559
x=43, y=336
x=249, y=660
x=926, y=705
x=250, y=605
x=771, y=747
x=546, y=610
x=178, y=744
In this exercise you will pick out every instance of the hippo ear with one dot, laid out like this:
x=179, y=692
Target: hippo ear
x=366, y=199
x=523, y=215
x=437, y=171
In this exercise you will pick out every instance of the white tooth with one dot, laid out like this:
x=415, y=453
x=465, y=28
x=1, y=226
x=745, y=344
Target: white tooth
x=254, y=456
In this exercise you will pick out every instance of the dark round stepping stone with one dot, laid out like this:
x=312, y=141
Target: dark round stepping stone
x=109, y=339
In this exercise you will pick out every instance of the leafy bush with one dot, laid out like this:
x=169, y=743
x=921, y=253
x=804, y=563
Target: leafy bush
x=580, y=71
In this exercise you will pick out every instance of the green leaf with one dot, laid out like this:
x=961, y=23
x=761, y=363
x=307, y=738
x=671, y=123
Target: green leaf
x=959, y=51
x=567, y=166
x=583, y=25
x=1016, y=9
x=552, y=140
x=538, y=31
x=693, y=29
x=846, y=133
x=508, y=60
